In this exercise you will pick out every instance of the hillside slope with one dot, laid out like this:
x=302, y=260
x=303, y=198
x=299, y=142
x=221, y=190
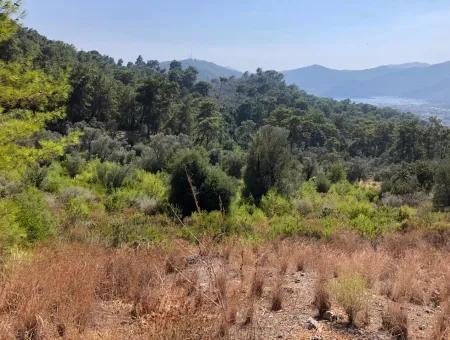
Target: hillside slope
x=206, y=70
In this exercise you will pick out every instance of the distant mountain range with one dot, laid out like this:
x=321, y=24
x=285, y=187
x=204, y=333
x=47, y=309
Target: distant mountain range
x=430, y=83
x=421, y=81
x=206, y=70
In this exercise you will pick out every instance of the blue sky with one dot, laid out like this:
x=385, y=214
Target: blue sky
x=246, y=34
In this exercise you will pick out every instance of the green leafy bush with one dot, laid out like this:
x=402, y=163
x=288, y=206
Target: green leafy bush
x=11, y=233
x=273, y=204
x=441, y=191
x=33, y=216
x=337, y=172
x=350, y=292
x=77, y=208
x=268, y=163
x=112, y=175
x=74, y=164
x=322, y=183
x=232, y=163
x=196, y=184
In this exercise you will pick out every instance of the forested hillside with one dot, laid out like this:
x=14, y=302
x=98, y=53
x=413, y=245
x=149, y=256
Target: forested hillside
x=119, y=181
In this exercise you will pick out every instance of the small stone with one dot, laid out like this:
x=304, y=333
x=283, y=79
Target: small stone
x=428, y=310
x=191, y=259
x=330, y=316
x=297, y=280
x=421, y=327
x=312, y=324
x=316, y=337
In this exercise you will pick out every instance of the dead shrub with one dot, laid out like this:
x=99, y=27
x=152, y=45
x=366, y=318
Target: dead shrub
x=406, y=286
x=220, y=284
x=277, y=296
x=321, y=296
x=302, y=257
x=257, y=284
x=441, y=329
x=395, y=321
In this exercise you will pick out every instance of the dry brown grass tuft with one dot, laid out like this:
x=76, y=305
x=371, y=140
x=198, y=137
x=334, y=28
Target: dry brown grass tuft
x=441, y=329
x=321, y=297
x=406, y=286
x=277, y=296
x=52, y=293
x=395, y=321
x=257, y=284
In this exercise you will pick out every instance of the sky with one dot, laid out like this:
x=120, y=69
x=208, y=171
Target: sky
x=246, y=34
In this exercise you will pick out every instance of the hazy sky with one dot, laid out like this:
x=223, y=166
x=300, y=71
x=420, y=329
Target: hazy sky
x=245, y=34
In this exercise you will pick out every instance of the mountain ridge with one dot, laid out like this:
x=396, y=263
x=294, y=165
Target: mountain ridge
x=429, y=82
x=207, y=70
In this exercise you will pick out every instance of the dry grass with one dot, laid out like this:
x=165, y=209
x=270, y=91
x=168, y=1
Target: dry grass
x=441, y=328
x=257, y=284
x=395, y=321
x=350, y=292
x=61, y=290
x=277, y=296
x=321, y=296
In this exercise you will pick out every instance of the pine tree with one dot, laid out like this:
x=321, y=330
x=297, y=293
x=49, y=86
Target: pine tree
x=29, y=99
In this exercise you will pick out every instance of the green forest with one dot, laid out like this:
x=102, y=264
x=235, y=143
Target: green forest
x=91, y=147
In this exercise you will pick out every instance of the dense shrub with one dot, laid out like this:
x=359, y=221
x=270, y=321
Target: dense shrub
x=35, y=175
x=112, y=175
x=74, y=164
x=337, y=172
x=155, y=155
x=322, y=183
x=441, y=192
x=10, y=231
x=357, y=170
x=273, y=204
x=268, y=162
x=232, y=163
x=33, y=216
x=195, y=184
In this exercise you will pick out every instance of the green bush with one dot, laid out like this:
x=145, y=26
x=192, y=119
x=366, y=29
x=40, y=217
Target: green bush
x=441, y=191
x=350, y=292
x=232, y=163
x=35, y=175
x=273, y=204
x=205, y=224
x=112, y=175
x=284, y=226
x=337, y=172
x=74, y=164
x=303, y=206
x=322, y=183
x=268, y=163
x=244, y=218
x=11, y=233
x=76, y=208
x=195, y=182
x=34, y=217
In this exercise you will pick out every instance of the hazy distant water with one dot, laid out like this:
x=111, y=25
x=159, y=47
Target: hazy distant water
x=385, y=101
x=417, y=106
